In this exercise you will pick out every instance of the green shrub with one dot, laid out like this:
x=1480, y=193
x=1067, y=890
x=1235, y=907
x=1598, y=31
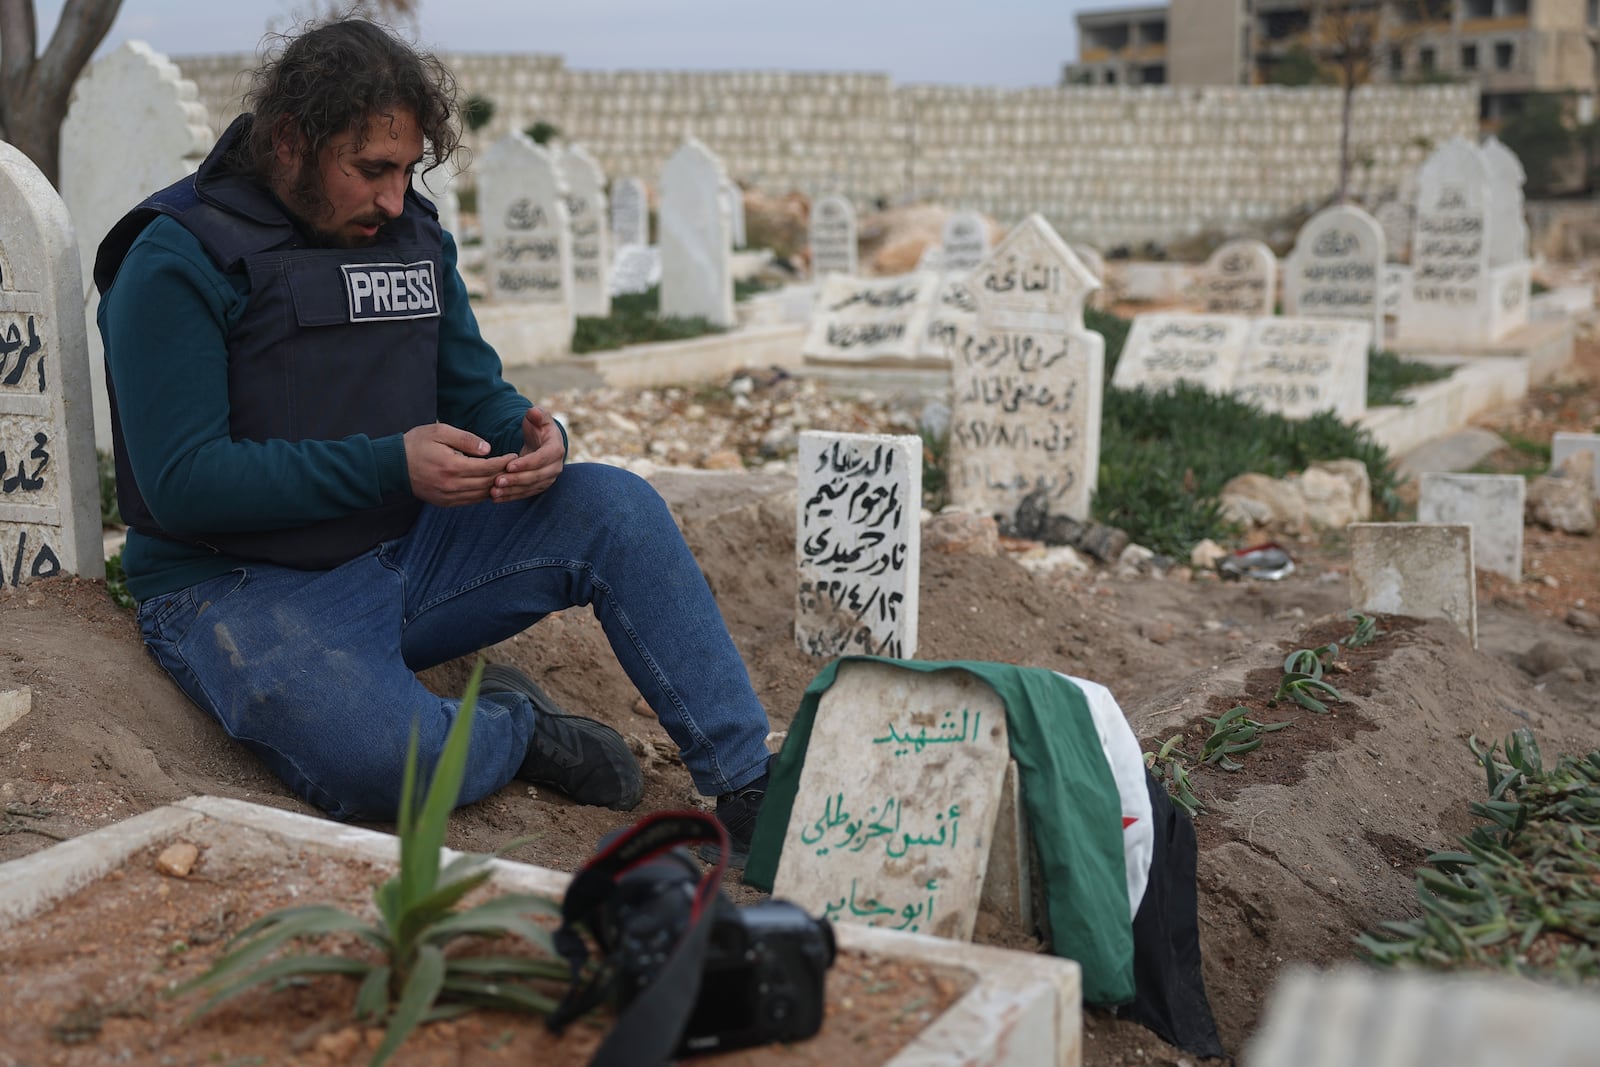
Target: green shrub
x=1388, y=376
x=635, y=319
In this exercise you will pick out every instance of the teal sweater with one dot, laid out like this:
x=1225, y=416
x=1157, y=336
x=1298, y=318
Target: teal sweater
x=165, y=324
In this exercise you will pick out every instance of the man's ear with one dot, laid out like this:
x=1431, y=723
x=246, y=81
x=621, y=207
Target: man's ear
x=288, y=145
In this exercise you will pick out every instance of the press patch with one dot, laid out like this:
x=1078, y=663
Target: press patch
x=383, y=291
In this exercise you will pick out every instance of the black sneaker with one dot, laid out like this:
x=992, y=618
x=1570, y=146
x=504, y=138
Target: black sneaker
x=584, y=759
x=737, y=812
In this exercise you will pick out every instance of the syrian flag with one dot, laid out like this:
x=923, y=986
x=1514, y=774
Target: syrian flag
x=1160, y=851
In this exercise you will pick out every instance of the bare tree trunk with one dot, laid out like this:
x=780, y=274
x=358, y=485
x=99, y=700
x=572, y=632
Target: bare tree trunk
x=35, y=91
x=1346, y=106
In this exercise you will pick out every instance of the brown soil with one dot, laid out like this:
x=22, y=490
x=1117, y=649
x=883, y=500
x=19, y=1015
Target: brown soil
x=1313, y=842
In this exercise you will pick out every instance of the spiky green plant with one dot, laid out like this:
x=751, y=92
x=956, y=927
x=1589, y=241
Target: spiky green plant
x=1306, y=690
x=408, y=980
x=1366, y=630
x=1234, y=734
x=1167, y=765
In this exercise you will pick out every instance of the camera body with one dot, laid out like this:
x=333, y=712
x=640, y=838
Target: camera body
x=762, y=980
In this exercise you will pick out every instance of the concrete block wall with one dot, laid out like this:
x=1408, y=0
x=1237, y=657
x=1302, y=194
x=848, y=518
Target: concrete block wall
x=1110, y=165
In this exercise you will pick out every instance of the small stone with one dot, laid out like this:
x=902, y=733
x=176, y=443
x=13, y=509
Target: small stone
x=177, y=859
x=961, y=533
x=726, y=460
x=1204, y=555
x=642, y=707
x=1583, y=621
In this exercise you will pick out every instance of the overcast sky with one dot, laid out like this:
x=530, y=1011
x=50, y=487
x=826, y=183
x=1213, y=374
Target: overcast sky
x=1011, y=43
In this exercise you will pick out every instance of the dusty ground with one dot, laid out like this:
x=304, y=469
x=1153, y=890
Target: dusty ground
x=1314, y=841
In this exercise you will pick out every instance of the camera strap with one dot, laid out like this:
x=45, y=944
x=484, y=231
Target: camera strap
x=648, y=1031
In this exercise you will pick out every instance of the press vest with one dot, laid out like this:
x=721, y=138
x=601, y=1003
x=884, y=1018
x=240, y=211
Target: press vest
x=333, y=342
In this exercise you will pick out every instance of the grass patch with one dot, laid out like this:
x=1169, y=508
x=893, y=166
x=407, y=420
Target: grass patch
x=117, y=584
x=1520, y=894
x=635, y=319
x=1388, y=376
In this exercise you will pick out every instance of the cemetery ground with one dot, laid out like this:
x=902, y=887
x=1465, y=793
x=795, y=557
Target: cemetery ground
x=1314, y=841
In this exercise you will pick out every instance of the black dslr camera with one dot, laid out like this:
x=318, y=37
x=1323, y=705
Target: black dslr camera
x=762, y=979
x=674, y=953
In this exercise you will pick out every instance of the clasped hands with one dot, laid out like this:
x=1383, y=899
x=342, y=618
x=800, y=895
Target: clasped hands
x=450, y=466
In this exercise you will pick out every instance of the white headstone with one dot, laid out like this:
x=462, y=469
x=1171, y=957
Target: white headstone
x=1096, y=263
x=439, y=186
x=591, y=246
x=1397, y=217
x=897, y=804
x=1508, y=228
x=949, y=319
x=1298, y=367
x=867, y=320
x=696, y=272
x=1164, y=348
x=1413, y=568
x=1336, y=268
x=731, y=199
x=1026, y=381
x=1564, y=444
x=527, y=240
x=630, y=212
x=964, y=243
x=833, y=237
x=49, y=482
x=1240, y=278
x=636, y=269
x=135, y=125
x=1491, y=504
x=1448, y=300
x=858, y=544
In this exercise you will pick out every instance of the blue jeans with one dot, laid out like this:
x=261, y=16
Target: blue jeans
x=314, y=671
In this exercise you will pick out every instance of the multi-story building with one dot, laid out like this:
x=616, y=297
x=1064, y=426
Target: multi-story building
x=1511, y=48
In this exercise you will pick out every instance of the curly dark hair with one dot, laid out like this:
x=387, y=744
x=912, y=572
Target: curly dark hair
x=327, y=81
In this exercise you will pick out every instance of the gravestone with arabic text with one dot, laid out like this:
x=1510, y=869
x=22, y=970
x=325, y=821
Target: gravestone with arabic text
x=1415, y=568
x=950, y=318
x=964, y=242
x=858, y=541
x=527, y=239
x=1336, y=268
x=630, y=213
x=49, y=485
x=153, y=144
x=696, y=270
x=1026, y=381
x=1240, y=278
x=869, y=320
x=833, y=237
x=896, y=811
x=591, y=246
x=1449, y=300
x=1165, y=348
x=1298, y=367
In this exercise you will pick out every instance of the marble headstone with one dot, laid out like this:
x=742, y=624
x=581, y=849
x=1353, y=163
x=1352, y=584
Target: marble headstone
x=858, y=541
x=439, y=186
x=591, y=246
x=833, y=237
x=1026, y=381
x=964, y=242
x=1240, y=278
x=1164, y=348
x=49, y=483
x=696, y=272
x=1448, y=300
x=867, y=320
x=636, y=269
x=1508, y=228
x=1336, y=268
x=1491, y=504
x=1414, y=568
x=1298, y=367
x=731, y=199
x=135, y=125
x=896, y=810
x=949, y=319
x=527, y=239
x=630, y=213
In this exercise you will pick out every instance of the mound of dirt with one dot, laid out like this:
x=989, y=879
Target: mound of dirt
x=1314, y=840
